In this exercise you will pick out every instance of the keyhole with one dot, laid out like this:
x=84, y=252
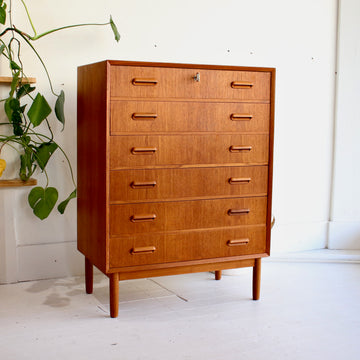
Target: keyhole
x=197, y=77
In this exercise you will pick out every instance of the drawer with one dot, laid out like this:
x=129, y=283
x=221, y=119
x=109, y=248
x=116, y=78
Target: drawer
x=132, y=151
x=186, y=215
x=187, y=245
x=166, y=184
x=155, y=116
x=156, y=82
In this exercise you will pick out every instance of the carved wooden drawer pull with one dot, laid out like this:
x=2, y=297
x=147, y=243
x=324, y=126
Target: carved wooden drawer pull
x=241, y=85
x=143, y=184
x=142, y=218
x=143, y=116
x=237, y=242
x=234, y=181
x=235, y=212
x=144, y=82
x=233, y=148
x=143, y=151
x=143, y=250
x=241, y=117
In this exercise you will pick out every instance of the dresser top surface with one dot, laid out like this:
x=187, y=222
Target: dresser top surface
x=185, y=65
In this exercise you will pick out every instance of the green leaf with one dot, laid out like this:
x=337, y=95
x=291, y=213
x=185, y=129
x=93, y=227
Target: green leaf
x=13, y=112
x=14, y=65
x=2, y=47
x=44, y=152
x=3, y=14
x=7, y=107
x=42, y=201
x=14, y=83
x=59, y=108
x=23, y=90
x=114, y=29
x=39, y=110
x=26, y=139
x=62, y=206
x=27, y=166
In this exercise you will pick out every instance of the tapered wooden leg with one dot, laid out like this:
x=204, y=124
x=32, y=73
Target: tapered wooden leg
x=218, y=275
x=88, y=276
x=256, y=279
x=114, y=295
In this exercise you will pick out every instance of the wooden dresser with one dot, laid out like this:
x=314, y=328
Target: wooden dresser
x=174, y=169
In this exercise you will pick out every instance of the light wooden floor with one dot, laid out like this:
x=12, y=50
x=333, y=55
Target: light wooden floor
x=308, y=310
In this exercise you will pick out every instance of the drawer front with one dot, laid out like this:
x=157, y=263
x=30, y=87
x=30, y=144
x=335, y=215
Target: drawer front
x=155, y=82
x=167, y=184
x=154, y=116
x=188, y=245
x=186, y=215
x=132, y=151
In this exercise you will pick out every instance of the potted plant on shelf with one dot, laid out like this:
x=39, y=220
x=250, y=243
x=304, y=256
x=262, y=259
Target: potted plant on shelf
x=26, y=109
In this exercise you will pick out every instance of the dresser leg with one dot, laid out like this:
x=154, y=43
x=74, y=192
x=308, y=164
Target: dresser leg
x=217, y=274
x=256, y=279
x=114, y=295
x=88, y=276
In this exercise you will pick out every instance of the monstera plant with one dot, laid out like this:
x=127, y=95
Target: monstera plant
x=26, y=109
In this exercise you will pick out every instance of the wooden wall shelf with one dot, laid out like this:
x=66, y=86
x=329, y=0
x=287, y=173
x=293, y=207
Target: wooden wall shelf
x=17, y=183
x=8, y=80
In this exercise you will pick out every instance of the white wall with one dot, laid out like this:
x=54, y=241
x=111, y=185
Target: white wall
x=298, y=38
x=344, y=231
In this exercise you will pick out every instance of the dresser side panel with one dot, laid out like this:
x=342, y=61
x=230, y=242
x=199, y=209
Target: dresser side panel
x=92, y=163
x=270, y=162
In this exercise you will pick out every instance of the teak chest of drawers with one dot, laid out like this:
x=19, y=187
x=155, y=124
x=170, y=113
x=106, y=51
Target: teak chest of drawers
x=174, y=169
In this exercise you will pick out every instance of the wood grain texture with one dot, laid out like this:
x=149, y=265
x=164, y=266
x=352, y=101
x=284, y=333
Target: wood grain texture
x=188, y=117
x=183, y=215
x=92, y=130
x=270, y=162
x=178, y=177
x=185, y=246
x=218, y=274
x=17, y=183
x=179, y=83
x=9, y=79
x=177, y=268
x=191, y=183
x=89, y=276
x=114, y=294
x=185, y=150
x=256, y=279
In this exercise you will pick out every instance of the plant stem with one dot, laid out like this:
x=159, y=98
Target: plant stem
x=28, y=15
x=40, y=59
x=36, y=37
x=61, y=149
x=13, y=147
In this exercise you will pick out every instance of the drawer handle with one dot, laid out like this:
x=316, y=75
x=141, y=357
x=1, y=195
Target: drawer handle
x=234, y=181
x=143, y=250
x=241, y=85
x=142, y=218
x=237, y=242
x=235, y=212
x=144, y=82
x=143, y=116
x=233, y=148
x=143, y=151
x=143, y=184
x=240, y=117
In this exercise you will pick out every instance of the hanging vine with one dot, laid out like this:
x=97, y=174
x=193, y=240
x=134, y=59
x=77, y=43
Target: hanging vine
x=26, y=109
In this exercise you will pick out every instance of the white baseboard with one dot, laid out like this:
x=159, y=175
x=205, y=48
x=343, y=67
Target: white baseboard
x=344, y=235
x=299, y=236
x=63, y=259
x=47, y=261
